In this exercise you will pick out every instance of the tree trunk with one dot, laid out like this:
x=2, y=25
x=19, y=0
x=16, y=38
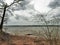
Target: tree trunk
x=2, y=20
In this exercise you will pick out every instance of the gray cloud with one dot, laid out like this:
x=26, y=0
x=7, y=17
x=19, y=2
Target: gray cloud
x=54, y=4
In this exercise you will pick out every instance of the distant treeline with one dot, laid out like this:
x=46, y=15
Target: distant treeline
x=31, y=25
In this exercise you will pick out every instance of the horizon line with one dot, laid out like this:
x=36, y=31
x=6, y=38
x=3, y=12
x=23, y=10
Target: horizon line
x=31, y=25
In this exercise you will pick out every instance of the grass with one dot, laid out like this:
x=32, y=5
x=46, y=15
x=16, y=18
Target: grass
x=24, y=40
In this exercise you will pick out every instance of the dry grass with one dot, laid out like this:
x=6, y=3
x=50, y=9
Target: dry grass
x=24, y=40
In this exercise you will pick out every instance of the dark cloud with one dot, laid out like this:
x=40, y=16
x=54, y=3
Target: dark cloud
x=54, y=4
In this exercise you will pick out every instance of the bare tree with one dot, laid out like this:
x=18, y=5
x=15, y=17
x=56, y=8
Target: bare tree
x=5, y=7
x=51, y=34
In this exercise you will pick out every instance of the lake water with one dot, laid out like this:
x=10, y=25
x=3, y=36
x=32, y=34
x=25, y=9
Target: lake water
x=17, y=30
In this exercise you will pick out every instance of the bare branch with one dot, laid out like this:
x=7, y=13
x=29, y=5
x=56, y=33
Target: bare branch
x=10, y=12
x=1, y=8
x=11, y=4
x=14, y=3
x=0, y=16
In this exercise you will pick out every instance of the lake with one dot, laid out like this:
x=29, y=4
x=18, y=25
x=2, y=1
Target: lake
x=22, y=30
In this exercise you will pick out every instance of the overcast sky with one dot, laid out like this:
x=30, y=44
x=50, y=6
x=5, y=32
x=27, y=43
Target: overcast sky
x=30, y=8
x=39, y=5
